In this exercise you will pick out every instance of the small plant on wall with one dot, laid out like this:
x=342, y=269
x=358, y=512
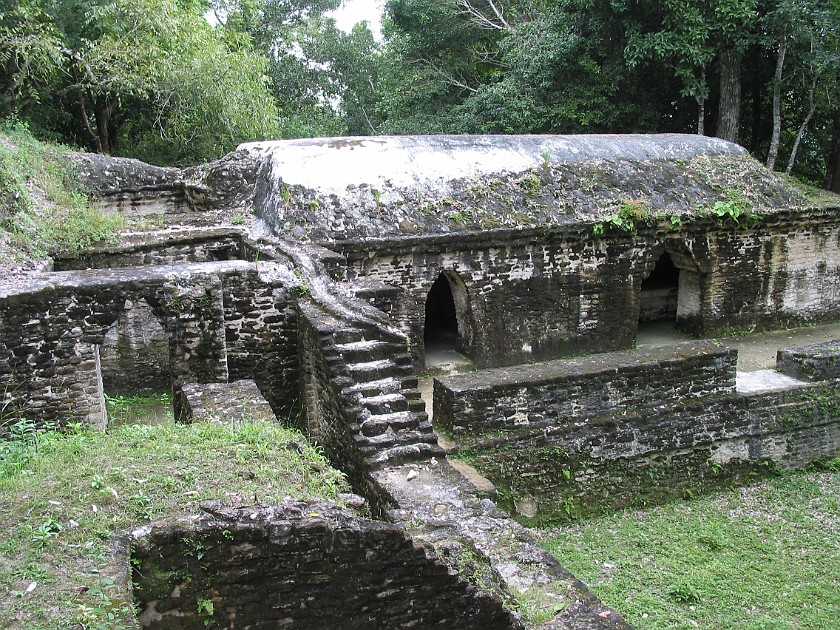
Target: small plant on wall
x=629, y=214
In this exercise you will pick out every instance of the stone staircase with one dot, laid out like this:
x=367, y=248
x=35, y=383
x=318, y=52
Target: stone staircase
x=377, y=391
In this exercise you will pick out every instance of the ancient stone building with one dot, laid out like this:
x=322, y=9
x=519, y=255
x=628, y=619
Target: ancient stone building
x=318, y=271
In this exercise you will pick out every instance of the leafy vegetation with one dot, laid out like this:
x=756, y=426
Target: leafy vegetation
x=756, y=557
x=41, y=205
x=63, y=497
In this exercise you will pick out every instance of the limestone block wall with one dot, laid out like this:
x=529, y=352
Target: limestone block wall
x=299, y=566
x=605, y=451
x=168, y=249
x=533, y=295
x=261, y=328
x=816, y=362
x=785, y=269
x=519, y=298
x=52, y=329
x=560, y=392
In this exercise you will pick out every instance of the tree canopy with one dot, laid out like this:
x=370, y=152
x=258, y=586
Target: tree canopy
x=179, y=81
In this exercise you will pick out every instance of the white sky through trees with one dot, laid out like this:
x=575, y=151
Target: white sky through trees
x=352, y=11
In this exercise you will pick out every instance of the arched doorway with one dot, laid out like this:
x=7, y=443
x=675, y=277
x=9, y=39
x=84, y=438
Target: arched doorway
x=441, y=318
x=660, y=292
x=446, y=322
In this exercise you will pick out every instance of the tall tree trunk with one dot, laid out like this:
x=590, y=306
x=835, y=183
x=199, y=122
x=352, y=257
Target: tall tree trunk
x=729, y=110
x=101, y=115
x=811, y=109
x=773, y=153
x=701, y=106
x=701, y=116
x=832, y=171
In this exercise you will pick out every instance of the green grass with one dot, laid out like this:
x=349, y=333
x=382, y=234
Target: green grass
x=143, y=408
x=760, y=557
x=63, y=497
x=41, y=204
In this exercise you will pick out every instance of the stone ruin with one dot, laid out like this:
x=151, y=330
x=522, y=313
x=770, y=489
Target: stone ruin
x=303, y=280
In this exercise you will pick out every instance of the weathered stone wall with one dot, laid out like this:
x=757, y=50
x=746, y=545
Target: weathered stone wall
x=560, y=392
x=300, y=566
x=610, y=450
x=261, y=333
x=565, y=291
x=168, y=249
x=784, y=270
x=816, y=362
x=52, y=328
x=135, y=353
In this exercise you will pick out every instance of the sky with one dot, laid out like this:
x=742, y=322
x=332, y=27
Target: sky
x=352, y=11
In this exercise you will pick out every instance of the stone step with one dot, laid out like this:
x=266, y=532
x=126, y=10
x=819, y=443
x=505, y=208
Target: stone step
x=375, y=370
x=411, y=393
x=376, y=425
x=401, y=357
x=402, y=438
x=417, y=406
x=388, y=385
x=384, y=403
x=348, y=335
x=405, y=453
x=360, y=351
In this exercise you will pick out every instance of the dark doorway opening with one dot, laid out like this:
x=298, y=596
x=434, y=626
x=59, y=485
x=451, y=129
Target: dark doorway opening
x=441, y=327
x=660, y=292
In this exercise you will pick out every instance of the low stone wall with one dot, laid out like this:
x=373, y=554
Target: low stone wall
x=299, y=566
x=590, y=452
x=816, y=362
x=559, y=392
x=239, y=401
x=165, y=249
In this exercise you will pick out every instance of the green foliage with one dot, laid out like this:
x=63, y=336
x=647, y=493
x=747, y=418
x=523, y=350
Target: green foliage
x=735, y=210
x=63, y=223
x=730, y=560
x=151, y=78
x=138, y=407
x=65, y=495
x=629, y=214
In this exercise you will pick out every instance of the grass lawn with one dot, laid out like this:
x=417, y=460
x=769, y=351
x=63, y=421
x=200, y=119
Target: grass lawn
x=760, y=557
x=63, y=497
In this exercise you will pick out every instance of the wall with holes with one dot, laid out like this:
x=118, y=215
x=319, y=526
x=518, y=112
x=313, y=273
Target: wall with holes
x=535, y=295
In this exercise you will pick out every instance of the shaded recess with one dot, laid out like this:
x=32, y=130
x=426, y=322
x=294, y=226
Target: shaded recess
x=441, y=328
x=660, y=292
x=134, y=366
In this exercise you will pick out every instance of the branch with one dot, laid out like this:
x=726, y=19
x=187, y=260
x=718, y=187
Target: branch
x=448, y=78
x=495, y=22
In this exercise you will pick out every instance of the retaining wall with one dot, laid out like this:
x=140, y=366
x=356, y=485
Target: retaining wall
x=299, y=566
x=612, y=435
x=560, y=392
